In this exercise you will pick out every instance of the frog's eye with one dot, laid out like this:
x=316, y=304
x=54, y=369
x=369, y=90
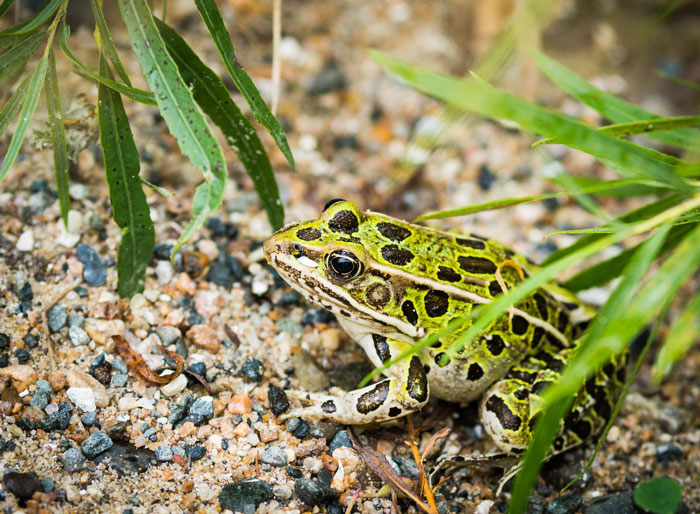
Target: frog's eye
x=332, y=202
x=343, y=265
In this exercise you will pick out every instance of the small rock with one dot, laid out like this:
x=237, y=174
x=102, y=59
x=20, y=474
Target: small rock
x=40, y=399
x=60, y=420
x=96, y=443
x=56, y=318
x=4, y=341
x=119, y=379
x=668, y=452
x=175, y=387
x=73, y=460
x=283, y=492
x=22, y=355
x=57, y=380
x=196, y=452
x=164, y=453
x=329, y=79
x=535, y=505
x=206, y=337
x=485, y=178
x=119, y=366
x=341, y=440
x=253, y=369
x=279, y=403
x=274, y=456
x=203, y=406
x=89, y=418
x=21, y=373
x=310, y=491
x=100, y=330
x=302, y=430
x=25, y=242
x=47, y=485
x=310, y=373
x=74, y=222
x=126, y=459
x=78, y=336
x=168, y=334
x=82, y=397
x=221, y=275
x=22, y=485
x=567, y=504
x=93, y=270
x=78, y=191
x=198, y=368
x=44, y=386
x=31, y=341
x=245, y=496
x=78, y=378
x=616, y=503
x=289, y=325
x=165, y=272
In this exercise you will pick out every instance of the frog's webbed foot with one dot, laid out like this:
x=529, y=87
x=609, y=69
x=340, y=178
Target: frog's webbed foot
x=405, y=392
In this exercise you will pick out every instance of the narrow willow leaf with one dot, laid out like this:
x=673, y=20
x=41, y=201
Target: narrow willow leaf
x=129, y=205
x=474, y=95
x=58, y=138
x=212, y=19
x=138, y=95
x=17, y=56
x=8, y=41
x=549, y=425
x=683, y=334
x=638, y=127
x=607, y=270
x=179, y=110
x=31, y=100
x=677, y=80
x=107, y=42
x=625, y=188
x=35, y=21
x=642, y=213
x=509, y=202
x=212, y=96
x=5, y=6
x=13, y=105
x=608, y=105
x=160, y=190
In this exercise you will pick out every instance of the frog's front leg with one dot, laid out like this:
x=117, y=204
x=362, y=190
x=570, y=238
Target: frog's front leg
x=405, y=391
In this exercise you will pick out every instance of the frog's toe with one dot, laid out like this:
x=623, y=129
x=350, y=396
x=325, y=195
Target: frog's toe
x=313, y=411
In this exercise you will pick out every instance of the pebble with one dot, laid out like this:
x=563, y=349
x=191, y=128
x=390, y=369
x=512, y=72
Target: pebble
x=96, y=443
x=245, y=496
x=100, y=330
x=302, y=430
x=47, y=485
x=78, y=191
x=668, y=452
x=310, y=491
x=57, y=380
x=198, y=368
x=309, y=372
x=89, y=418
x=93, y=270
x=279, y=403
x=175, y=387
x=289, y=325
x=535, y=505
x=44, y=386
x=22, y=355
x=329, y=79
x=205, y=337
x=283, y=492
x=164, y=453
x=56, y=318
x=21, y=373
x=616, y=503
x=196, y=452
x=22, y=485
x=221, y=275
x=40, y=399
x=274, y=456
x=31, y=341
x=72, y=460
x=25, y=242
x=253, y=369
x=4, y=341
x=74, y=222
x=168, y=334
x=164, y=272
x=78, y=336
x=567, y=504
x=82, y=397
x=340, y=440
x=203, y=406
x=125, y=458
x=60, y=420
x=119, y=379
x=76, y=378
x=119, y=366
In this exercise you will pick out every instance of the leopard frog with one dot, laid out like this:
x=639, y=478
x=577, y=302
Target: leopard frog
x=390, y=283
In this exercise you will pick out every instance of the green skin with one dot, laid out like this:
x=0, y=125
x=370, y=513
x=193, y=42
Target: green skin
x=391, y=283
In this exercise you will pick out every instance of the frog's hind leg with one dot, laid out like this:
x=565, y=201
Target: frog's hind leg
x=405, y=391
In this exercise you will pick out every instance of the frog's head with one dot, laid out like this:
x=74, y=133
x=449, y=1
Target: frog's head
x=336, y=262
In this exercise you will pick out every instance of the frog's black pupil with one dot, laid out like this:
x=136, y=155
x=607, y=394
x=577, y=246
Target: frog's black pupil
x=343, y=264
x=332, y=202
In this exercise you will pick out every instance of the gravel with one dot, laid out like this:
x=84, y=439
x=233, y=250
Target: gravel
x=96, y=443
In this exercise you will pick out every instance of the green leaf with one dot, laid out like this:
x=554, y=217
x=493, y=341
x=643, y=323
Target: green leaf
x=212, y=96
x=607, y=270
x=13, y=105
x=179, y=110
x=107, y=43
x=476, y=96
x=35, y=21
x=212, y=19
x=138, y=95
x=608, y=105
x=31, y=100
x=58, y=138
x=677, y=80
x=682, y=335
x=638, y=127
x=659, y=495
x=600, y=187
x=5, y=6
x=18, y=55
x=129, y=204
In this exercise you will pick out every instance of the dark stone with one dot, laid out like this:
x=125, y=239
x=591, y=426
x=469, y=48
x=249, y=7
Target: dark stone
x=4, y=360
x=38, y=186
x=235, y=266
x=125, y=458
x=31, y=341
x=535, y=505
x=349, y=376
x=73, y=460
x=40, y=399
x=294, y=472
x=4, y=341
x=176, y=414
x=245, y=496
x=311, y=492
x=485, y=178
x=96, y=443
x=329, y=79
x=47, y=485
x=117, y=430
x=25, y=295
x=196, y=452
x=89, y=418
x=313, y=316
x=93, y=270
x=335, y=508
x=198, y=368
x=22, y=485
x=616, y=503
x=162, y=251
x=22, y=355
x=341, y=440
x=101, y=369
x=325, y=477
x=668, y=452
x=567, y=504
x=323, y=429
x=408, y=466
x=59, y=420
x=292, y=298
x=279, y=403
x=221, y=275
x=25, y=424
x=302, y=430
x=253, y=369
x=56, y=318
x=203, y=406
x=221, y=229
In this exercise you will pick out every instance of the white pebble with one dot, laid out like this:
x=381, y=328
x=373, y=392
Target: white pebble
x=82, y=397
x=25, y=243
x=51, y=408
x=145, y=403
x=75, y=222
x=78, y=191
x=175, y=387
x=164, y=272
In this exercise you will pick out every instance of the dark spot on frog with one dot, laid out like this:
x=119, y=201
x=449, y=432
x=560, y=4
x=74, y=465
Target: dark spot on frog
x=373, y=399
x=495, y=344
x=541, y=306
x=475, y=372
x=495, y=288
x=378, y=294
x=523, y=374
x=570, y=305
x=410, y=312
x=519, y=325
x=582, y=429
x=393, y=232
x=476, y=265
x=537, y=337
x=332, y=202
x=505, y=416
x=417, y=386
x=344, y=221
x=438, y=360
x=471, y=243
x=395, y=255
x=539, y=387
x=448, y=274
x=436, y=303
x=558, y=443
x=328, y=407
x=381, y=347
x=522, y=394
x=563, y=321
x=394, y=412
